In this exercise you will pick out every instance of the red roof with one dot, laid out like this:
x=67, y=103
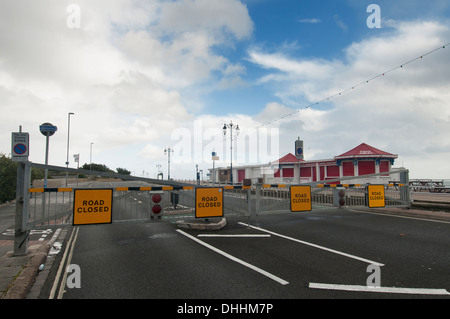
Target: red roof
x=287, y=159
x=364, y=150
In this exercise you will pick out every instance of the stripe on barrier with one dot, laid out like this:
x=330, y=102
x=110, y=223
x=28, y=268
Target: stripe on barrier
x=177, y=188
x=50, y=190
x=36, y=190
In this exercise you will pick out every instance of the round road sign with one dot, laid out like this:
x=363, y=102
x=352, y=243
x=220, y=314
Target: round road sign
x=20, y=149
x=48, y=129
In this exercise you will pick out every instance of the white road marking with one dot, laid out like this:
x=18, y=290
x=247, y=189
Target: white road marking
x=315, y=246
x=263, y=272
x=395, y=290
x=67, y=254
x=234, y=236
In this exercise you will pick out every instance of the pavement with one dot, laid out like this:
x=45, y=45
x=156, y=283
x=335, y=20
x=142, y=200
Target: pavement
x=18, y=274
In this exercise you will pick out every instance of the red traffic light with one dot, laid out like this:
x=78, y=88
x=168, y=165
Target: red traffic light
x=156, y=198
x=156, y=209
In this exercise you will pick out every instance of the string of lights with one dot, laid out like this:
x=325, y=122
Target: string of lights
x=355, y=86
x=194, y=153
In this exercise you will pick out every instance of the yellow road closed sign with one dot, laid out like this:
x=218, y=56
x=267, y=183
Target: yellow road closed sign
x=92, y=206
x=208, y=202
x=300, y=198
x=375, y=195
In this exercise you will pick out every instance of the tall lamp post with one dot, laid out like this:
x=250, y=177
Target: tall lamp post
x=231, y=126
x=168, y=151
x=90, y=159
x=68, y=134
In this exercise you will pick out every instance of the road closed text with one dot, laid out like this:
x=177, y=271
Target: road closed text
x=212, y=201
x=301, y=198
x=93, y=206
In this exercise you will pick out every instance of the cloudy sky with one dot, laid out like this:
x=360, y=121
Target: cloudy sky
x=142, y=76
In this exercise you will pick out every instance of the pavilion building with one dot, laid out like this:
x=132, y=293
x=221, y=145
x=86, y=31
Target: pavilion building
x=359, y=161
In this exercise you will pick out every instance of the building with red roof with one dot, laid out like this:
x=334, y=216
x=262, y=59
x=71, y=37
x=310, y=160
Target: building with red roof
x=359, y=161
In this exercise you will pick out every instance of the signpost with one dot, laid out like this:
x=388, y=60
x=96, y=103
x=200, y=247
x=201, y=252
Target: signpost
x=20, y=146
x=208, y=202
x=299, y=155
x=300, y=198
x=299, y=149
x=47, y=130
x=376, y=196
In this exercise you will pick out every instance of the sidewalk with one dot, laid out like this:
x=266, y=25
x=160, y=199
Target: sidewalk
x=18, y=273
x=412, y=212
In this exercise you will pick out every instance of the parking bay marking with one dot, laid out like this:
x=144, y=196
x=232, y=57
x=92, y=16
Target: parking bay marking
x=221, y=252
x=396, y=290
x=314, y=245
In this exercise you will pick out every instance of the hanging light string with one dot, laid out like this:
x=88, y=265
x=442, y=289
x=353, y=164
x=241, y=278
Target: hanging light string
x=194, y=153
x=355, y=86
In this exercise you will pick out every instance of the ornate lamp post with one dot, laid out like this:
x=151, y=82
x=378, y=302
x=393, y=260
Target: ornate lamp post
x=231, y=126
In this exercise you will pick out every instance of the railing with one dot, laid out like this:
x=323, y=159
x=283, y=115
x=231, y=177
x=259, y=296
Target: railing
x=134, y=199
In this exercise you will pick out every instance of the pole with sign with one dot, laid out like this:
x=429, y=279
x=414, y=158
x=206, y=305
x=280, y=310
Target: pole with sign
x=299, y=154
x=47, y=130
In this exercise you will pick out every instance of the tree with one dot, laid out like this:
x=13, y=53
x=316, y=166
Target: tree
x=97, y=168
x=123, y=171
x=8, y=179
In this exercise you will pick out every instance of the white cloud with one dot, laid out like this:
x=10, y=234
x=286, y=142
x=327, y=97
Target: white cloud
x=123, y=73
x=404, y=112
x=311, y=20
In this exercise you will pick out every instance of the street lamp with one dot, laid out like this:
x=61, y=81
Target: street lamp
x=68, y=134
x=90, y=158
x=236, y=128
x=168, y=151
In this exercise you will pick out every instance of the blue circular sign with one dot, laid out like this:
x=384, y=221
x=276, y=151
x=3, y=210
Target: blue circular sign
x=299, y=151
x=20, y=149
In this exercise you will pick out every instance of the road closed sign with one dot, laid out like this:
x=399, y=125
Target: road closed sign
x=208, y=202
x=300, y=198
x=376, y=196
x=92, y=206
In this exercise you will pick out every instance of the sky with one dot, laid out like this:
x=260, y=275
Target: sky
x=144, y=76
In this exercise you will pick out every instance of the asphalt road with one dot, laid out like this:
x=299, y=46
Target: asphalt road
x=285, y=256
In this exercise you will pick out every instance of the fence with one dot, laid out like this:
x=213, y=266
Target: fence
x=136, y=199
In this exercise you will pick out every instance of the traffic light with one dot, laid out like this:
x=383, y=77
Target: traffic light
x=338, y=196
x=156, y=205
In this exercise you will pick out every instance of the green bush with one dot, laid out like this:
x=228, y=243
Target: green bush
x=8, y=177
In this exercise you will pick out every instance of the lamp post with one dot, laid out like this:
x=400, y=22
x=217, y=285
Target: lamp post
x=168, y=151
x=236, y=128
x=68, y=134
x=90, y=158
